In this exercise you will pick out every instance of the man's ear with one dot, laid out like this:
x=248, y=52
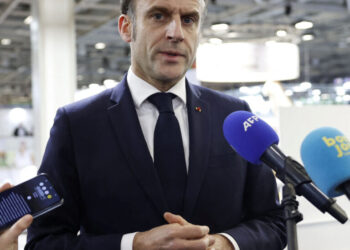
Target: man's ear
x=125, y=28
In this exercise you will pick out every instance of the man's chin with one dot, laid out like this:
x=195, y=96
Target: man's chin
x=171, y=78
x=172, y=74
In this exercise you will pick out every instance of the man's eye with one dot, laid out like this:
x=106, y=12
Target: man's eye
x=188, y=20
x=158, y=16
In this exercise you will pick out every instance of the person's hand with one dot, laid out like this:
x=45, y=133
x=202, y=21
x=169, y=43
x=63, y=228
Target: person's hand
x=174, y=236
x=220, y=243
x=9, y=237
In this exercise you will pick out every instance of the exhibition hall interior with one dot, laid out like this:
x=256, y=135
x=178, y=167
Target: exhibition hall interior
x=289, y=59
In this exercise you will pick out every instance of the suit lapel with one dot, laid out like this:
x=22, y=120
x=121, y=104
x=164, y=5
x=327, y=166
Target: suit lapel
x=131, y=140
x=200, y=132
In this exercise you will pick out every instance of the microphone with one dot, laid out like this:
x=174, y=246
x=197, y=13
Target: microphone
x=325, y=153
x=256, y=141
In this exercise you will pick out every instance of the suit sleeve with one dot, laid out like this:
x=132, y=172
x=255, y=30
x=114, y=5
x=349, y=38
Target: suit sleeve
x=263, y=226
x=62, y=228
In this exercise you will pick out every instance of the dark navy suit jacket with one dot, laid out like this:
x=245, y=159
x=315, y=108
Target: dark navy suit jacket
x=99, y=160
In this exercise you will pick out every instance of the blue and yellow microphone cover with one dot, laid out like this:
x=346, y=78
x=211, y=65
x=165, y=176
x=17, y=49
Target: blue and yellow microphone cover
x=248, y=135
x=325, y=153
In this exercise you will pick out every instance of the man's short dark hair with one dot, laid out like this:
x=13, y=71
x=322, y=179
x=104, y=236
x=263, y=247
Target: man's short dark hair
x=126, y=6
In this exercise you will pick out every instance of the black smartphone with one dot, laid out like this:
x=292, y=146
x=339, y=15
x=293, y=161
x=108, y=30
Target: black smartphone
x=36, y=196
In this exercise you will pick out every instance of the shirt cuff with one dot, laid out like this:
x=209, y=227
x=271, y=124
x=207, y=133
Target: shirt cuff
x=127, y=240
x=232, y=240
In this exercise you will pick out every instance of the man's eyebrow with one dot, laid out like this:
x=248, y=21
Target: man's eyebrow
x=158, y=9
x=167, y=11
x=192, y=13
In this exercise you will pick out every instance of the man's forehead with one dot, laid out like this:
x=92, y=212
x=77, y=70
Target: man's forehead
x=182, y=5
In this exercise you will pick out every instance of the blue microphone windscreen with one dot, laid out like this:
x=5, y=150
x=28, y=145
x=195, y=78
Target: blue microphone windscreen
x=248, y=135
x=325, y=153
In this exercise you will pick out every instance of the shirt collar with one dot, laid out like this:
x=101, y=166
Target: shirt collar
x=141, y=90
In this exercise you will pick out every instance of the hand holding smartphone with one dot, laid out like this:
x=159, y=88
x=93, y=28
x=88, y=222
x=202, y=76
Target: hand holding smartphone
x=36, y=196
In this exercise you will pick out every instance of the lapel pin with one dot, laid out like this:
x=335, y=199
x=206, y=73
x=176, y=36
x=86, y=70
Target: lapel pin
x=198, y=109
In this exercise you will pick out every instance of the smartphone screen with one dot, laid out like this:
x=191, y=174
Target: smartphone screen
x=36, y=196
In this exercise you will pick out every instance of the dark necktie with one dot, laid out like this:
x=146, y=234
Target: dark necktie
x=169, y=157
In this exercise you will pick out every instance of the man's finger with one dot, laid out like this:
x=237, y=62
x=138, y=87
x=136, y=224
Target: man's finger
x=212, y=242
x=5, y=186
x=202, y=243
x=173, y=218
x=188, y=232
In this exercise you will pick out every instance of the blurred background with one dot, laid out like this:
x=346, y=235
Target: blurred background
x=289, y=59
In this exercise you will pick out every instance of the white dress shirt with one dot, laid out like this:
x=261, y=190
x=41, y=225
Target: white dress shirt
x=148, y=116
x=148, y=113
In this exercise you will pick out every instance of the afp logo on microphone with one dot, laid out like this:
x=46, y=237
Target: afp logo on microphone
x=340, y=143
x=249, y=122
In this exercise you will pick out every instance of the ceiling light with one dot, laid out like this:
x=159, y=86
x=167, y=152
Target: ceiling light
x=346, y=85
x=306, y=85
x=215, y=41
x=281, y=33
x=304, y=25
x=339, y=99
x=232, y=35
x=100, y=46
x=94, y=85
x=220, y=27
x=109, y=83
x=28, y=20
x=244, y=89
x=6, y=41
x=316, y=98
x=308, y=37
x=101, y=70
x=298, y=89
x=346, y=98
x=302, y=87
x=316, y=92
x=340, y=91
x=18, y=115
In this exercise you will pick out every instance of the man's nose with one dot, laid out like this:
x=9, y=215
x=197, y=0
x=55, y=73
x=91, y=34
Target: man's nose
x=174, y=31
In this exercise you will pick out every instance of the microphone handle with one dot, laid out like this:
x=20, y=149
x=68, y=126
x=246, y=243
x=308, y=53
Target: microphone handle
x=290, y=171
x=304, y=186
x=321, y=201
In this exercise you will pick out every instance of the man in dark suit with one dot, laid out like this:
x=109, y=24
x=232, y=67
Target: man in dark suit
x=104, y=155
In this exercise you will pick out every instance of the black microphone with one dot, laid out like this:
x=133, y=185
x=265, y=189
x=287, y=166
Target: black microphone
x=256, y=141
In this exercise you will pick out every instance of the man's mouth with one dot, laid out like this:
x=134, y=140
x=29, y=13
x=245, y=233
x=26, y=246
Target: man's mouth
x=172, y=53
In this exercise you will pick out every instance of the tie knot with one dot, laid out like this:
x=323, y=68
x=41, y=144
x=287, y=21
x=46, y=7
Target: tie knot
x=162, y=101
